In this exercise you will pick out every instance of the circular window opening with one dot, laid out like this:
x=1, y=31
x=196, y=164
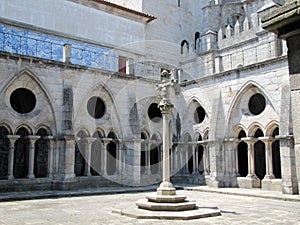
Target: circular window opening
x=257, y=104
x=199, y=114
x=96, y=107
x=22, y=100
x=154, y=113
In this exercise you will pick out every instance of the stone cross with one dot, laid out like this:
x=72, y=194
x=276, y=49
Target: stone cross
x=165, y=105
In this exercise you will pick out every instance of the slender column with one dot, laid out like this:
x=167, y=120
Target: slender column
x=166, y=155
x=57, y=159
x=176, y=160
x=236, y=161
x=12, y=141
x=206, y=158
x=148, y=168
x=269, y=159
x=251, y=166
x=32, y=140
x=50, y=156
x=104, y=165
x=195, y=159
x=166, y=187
x=118, y=160
x=186, y=153
x=124, y=150
x=226, y=156
x=88, y=150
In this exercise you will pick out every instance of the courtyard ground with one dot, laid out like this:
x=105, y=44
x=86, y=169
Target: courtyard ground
x=238, y=206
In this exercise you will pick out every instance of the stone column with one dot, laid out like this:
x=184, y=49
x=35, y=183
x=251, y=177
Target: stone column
x=206, y=162
x=251, y=180
x=216, y=165
x=166, y=149
x=120, y=159
x=88, y=150
x=50, y=156
x=251, y=164
x=195, y=157
x=236, y=158
x=287, y=158
x=58, y=159
x=148, y=167
x=284, y=21
x=226, y=157
x=268, y=151
x=104, y=158
x=186, y=157
x=176, y=159
x=166, y=187
x=12, y=141
x=69, y=157
x=32, y=140
x=133, y=164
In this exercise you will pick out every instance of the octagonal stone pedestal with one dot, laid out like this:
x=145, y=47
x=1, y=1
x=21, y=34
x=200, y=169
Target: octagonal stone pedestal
x=163, y=206
x=173, y=207
x=197, y=213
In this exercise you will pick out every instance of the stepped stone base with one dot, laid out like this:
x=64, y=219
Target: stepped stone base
x=161, y=206
x=166, y=198
x=197, y=213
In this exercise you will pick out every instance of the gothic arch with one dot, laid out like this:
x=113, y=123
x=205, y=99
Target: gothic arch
x=42, y=126
x=238, y=129
x=26, y=126
x=145, y=133
x=7, y=126
x=239, y=110
x=100, y=133
x=271, y=126
x=253, y=128
x=193, y=103
x=14, y=81
x=81, y=115
x=82, y=131
x=184, y=47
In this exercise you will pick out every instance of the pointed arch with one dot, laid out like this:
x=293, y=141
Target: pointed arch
x=7, y=126
x=42, y=126
x=271, y=126
x=245, y=87
x=26, y=126
x=253, y=128
x=238, y=129
x=184, y=47
x=41, y=84
x=99, y=89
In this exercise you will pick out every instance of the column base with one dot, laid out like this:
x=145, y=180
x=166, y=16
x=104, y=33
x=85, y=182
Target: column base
x=271, y=184
x=267, y=177
x=214, y=183
x=166, y=188
x=30, y=176
x=248, y=182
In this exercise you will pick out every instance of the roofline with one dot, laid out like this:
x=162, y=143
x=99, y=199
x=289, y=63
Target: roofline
x=146, y=16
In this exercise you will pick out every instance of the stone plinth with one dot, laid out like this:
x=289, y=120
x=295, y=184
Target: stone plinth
x=162, y=206
x=271, y=185
x=248, y=182
x=197, y=213
x=163, y=198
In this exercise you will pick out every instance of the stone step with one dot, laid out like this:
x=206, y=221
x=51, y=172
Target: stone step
x=166, y=198
x=157, y=206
